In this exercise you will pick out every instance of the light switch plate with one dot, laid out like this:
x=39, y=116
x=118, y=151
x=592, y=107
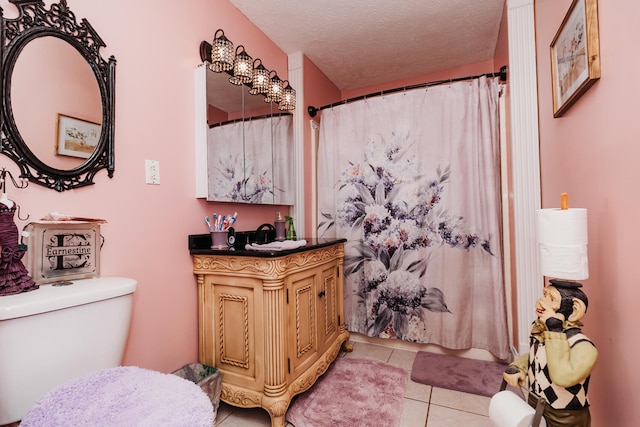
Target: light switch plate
x=152, y=172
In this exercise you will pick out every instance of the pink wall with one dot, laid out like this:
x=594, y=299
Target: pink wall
x=318, y=91
x=156, y=45
x=592, y=153
x=215, y=115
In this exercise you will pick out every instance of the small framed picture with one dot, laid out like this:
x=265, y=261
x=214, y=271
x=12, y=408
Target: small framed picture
x=76, y=137
x=575, y=55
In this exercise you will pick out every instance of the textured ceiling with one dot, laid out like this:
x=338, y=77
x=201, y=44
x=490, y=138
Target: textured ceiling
x=357, y=43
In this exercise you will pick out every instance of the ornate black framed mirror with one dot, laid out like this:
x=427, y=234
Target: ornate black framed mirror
x=63, y=136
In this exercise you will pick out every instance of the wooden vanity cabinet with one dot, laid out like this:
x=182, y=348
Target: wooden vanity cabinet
x=271, y=324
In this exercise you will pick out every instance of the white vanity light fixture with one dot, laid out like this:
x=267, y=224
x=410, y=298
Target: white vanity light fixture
x=244, y=70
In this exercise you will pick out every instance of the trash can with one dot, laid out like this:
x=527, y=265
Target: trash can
x=207, y=378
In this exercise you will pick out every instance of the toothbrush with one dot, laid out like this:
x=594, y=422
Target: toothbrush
x=228, y=221
x=231, y=219
x=206, y=219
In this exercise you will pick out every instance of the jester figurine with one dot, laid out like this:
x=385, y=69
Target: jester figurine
x=560, y=359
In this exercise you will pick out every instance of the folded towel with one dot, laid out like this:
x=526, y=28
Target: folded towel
x=277, y=246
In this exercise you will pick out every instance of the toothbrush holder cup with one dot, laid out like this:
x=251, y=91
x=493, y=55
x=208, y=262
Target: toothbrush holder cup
x=219, y=239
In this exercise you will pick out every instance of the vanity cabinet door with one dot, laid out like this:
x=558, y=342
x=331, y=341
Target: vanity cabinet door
x=232, y=336
x=328, y=314
x=302, y=315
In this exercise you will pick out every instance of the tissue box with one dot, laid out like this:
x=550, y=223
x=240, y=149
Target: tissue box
x=62, y=250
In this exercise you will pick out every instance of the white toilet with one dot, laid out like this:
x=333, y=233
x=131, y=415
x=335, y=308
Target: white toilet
x=58, y=333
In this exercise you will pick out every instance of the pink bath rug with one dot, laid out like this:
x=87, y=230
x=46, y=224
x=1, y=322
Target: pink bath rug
x=353, y=392
x=458, y=373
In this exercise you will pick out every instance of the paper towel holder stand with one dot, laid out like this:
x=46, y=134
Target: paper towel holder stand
x=565, y=276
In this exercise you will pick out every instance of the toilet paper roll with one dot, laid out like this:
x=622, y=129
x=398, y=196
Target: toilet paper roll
x=562, y=242
x=558, y=227
x=507, y=409
x=564, y=262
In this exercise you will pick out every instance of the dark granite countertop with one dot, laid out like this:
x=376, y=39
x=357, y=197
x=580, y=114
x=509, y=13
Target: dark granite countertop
x=200, y=244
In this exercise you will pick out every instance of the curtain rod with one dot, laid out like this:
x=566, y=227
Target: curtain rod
x=502, y=74
x=242, y=119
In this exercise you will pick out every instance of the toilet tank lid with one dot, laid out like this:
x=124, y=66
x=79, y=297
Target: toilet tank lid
x=50, y=298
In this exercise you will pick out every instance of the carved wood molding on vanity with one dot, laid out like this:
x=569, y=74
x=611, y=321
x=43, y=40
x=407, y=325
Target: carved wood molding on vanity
x=265, y=267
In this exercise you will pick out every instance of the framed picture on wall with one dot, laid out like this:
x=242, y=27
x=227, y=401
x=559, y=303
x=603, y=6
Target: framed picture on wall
x=575, y=55
x=76, y=137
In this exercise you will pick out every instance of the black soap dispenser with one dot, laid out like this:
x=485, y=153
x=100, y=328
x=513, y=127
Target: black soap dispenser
x=280, y=233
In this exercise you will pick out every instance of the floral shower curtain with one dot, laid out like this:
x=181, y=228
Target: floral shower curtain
x=282, y=133
x=412, y=181
x=243, y=155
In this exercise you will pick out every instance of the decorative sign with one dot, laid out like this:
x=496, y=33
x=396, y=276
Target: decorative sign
x=63, y=251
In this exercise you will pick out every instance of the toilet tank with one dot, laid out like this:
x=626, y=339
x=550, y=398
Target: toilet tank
x=57, y=333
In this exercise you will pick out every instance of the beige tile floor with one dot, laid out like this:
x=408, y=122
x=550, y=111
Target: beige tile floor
x=424, y=406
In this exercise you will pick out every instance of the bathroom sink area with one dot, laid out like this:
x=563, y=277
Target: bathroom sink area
x=200, y=244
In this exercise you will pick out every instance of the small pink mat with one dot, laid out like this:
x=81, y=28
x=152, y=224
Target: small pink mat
x=458, y=373
x=123, y=396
